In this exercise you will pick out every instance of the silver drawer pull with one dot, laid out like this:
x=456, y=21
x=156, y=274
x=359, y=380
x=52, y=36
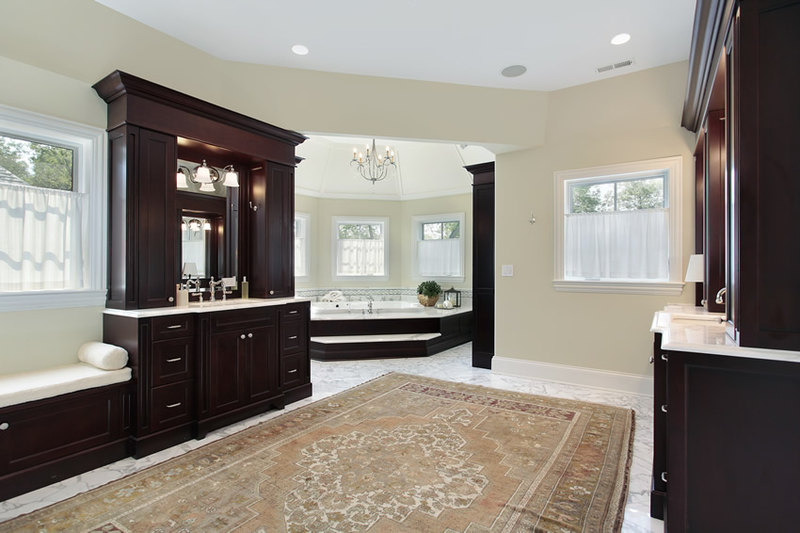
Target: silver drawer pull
x=249, y=335
x=292, y=371
x=664, y=477
x=293, y=337
x=174, y=359
x=294, y=312
x=664, y=408
x=173, y=405
x=272, y=292
x=175, y=326
x=4, y=426
x=664, y=357
x=241, y=336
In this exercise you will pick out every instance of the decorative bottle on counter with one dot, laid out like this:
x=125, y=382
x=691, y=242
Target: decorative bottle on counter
x=245, y=288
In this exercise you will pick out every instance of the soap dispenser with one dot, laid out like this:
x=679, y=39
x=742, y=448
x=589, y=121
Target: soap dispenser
x=245, y=288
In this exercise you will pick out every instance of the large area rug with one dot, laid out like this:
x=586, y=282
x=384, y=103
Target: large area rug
x=399, y=453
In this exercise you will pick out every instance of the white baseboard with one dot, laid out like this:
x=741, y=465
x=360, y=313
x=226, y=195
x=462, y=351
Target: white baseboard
x=574, y=375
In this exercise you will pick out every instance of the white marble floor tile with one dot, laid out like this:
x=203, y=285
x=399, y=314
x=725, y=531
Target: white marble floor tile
x=330, y=377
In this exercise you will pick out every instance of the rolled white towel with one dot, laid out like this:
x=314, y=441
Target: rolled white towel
x=103, y=356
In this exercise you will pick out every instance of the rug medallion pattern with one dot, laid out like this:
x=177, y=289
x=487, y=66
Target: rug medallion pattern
x=399, y=453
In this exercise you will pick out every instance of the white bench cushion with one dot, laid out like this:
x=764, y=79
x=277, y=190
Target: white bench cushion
x=38, y=384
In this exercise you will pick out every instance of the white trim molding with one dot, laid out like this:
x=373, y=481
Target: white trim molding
x=673, y=166
x=574, y=375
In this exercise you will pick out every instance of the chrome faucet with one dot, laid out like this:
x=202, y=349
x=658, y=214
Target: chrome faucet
x=212, y=285
x=369, y=304
x=720, y=293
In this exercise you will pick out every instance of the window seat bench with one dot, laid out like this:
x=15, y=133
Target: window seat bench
x=59, y=422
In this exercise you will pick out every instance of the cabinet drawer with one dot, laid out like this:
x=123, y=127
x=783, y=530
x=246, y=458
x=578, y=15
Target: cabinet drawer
x=293, y=370
x=294, y=336
x=172, y=327
x=173, y=361
x=294, y=311
x=172, y=405
x=242, y=318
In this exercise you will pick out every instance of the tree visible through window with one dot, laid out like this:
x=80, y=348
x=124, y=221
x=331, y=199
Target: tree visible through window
x=621, y=195
x=439, y=250
x=361, y=248
x=38, y=164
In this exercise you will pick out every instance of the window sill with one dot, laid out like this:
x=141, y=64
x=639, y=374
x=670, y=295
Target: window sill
x=667, y=288
x=27, y=301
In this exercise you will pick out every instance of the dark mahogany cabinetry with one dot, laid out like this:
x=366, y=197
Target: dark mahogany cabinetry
x=726, y=442
x=241, y=367
x=196, y=372
x=272, y=231
x=743, y=85
x=482, y=264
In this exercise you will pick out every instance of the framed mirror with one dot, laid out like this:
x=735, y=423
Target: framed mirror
x=204, y=249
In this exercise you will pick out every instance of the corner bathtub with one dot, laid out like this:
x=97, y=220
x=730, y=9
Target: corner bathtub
x=347, y=330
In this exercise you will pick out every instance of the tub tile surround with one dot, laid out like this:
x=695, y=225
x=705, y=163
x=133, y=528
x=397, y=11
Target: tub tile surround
x=332, y=377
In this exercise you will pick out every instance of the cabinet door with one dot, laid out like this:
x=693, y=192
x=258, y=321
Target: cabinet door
x=261, y=363
x=226, y=371
x=155, y=219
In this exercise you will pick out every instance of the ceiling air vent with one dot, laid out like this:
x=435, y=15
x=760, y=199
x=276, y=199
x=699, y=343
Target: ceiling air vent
x=614, y=66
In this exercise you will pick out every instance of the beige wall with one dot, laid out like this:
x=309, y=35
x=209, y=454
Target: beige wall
x=401, y=242
x=48, y=66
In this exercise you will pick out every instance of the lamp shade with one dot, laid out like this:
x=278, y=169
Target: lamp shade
x=189, y=269
x=696, y=270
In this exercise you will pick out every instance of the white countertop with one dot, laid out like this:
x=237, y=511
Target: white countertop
x=693, y=329
x=205, y=307
x=385, y=314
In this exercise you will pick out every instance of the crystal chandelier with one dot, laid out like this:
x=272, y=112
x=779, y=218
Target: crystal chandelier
x=373, y=166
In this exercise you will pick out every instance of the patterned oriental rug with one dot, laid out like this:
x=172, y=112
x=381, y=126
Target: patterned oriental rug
x=399, y=453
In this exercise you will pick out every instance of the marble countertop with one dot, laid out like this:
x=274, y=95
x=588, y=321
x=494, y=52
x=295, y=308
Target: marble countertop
x=693, y=329
x=205, y=307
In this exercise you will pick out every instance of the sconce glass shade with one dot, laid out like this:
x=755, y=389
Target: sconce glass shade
x=207, y=187
x=202, y=173
x=207, y=226
x=181, y=177
x=695, y=272
x=231, y=177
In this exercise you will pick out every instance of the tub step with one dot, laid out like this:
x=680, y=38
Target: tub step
x=342, y=347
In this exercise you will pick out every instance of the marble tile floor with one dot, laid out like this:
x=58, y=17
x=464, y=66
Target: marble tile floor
x=330, y=377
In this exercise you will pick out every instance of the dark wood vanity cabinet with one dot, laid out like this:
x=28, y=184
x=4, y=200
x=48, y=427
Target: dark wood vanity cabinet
x=271, y=205
x=295, y=365
x=241, y=367
x=726, y=442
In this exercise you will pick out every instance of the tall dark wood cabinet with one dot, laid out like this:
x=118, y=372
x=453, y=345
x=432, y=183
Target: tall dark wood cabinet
x=755, y=46
x=272, y=213
x=141, y=218
x=764, y=55
x=482, y=264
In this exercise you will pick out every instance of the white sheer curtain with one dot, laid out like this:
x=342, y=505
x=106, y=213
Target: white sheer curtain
x=617, y=245
x=439, y=258
x=360, y=257
x=41, y=239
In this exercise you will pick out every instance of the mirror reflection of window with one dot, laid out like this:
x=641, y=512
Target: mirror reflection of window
x=194, y=242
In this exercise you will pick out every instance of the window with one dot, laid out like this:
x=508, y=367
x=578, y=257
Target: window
x=52, y=212
x=618, y=228
x=439, y=246
x=360, y=247
x=302, y=245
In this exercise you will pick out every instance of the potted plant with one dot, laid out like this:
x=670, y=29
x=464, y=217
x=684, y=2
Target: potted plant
x=428, y=292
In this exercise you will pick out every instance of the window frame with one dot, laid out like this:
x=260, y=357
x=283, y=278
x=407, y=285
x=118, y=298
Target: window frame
x=335, y=221
x=673, y=169
x=417, y=222
x=306, y=217
x=89, y=178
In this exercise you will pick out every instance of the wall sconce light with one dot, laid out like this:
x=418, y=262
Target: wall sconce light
x=206, y=176
x=195, y=224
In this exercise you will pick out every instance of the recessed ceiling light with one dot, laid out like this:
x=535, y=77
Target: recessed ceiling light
x=300, y=50
x=621, y=38
x=513, y=71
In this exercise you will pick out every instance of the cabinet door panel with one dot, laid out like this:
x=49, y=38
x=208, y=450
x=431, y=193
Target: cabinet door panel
x=262, y=363
x=155, y=217
x=225, y=371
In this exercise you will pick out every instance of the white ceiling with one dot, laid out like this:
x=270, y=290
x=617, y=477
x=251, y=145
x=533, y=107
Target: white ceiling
x=454, y=41
x=424, y=170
